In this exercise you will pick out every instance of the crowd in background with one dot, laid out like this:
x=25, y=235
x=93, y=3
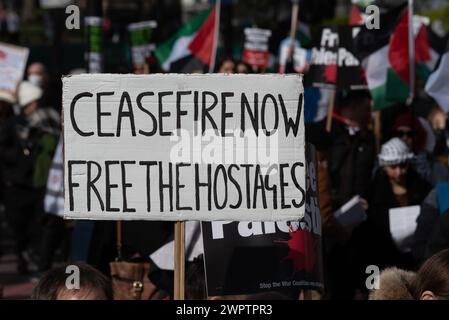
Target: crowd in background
x=407, y=166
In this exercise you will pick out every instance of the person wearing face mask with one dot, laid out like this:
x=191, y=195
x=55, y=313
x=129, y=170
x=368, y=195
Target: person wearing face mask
x=395, y=184
x=38, y=75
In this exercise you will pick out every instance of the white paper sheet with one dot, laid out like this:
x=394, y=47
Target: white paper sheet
x=403, y=225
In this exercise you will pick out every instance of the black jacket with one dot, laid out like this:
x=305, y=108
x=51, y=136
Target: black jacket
x=351, y=159
x=426, y=222
x=439, y=237
x=373, y=238
x=17, y=154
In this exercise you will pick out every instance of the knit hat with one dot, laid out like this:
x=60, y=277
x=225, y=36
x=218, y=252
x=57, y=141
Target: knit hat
x=393, y=152
x=27, y=93
x=7, y=97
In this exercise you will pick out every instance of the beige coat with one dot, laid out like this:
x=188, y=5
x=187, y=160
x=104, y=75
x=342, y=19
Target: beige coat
x=394, y=284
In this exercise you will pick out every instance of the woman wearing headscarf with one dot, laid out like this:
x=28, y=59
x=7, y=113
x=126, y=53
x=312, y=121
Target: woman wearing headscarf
x=395, y=184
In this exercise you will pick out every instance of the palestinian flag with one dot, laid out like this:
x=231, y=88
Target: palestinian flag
x=355, y=17
x=192, y=47
x=437, y=85
x=385, y=58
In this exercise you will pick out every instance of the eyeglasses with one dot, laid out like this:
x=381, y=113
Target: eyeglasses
x=402, y=133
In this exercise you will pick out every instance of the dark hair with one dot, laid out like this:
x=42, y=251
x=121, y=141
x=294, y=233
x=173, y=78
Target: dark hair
x=53, y=282
x=352, y=98
x=434, y=276
x=223, y=60
x=243, y=63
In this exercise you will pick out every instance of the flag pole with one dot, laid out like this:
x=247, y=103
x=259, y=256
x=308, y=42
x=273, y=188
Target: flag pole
x=411, y=52
x=217, y=32
x=330, y=109
x=179, y=261
x=294, y=21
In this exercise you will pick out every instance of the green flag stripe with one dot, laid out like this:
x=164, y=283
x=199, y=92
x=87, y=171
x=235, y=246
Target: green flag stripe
x=378, y=95
x=163, y=51
x=397, y=90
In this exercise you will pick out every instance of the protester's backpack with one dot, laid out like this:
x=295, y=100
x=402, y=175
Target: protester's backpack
x=130, y=278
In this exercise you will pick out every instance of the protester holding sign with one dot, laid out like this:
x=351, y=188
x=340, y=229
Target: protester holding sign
x=348, y=154
x=214, y=147
x=395, y=185
x=350, y=147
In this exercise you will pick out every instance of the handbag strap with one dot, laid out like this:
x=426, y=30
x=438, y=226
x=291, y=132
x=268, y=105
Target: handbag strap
x=119, y=240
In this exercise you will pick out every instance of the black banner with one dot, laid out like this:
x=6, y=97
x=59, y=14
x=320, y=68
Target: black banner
x=350, y=73
x=334, y=62
x=323, y=64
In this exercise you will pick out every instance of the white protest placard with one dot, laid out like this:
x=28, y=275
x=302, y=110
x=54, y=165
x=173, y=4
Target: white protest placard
x=184, y=147
x=299, y=56
x=403, y=225
x=255, y=51
x=13, y=60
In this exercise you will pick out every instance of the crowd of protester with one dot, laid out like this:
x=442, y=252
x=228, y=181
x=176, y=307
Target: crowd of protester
x=407, y=166
x=408, y=170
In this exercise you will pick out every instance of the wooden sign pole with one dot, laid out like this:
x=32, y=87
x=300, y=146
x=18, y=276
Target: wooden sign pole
x=179, y=259
x=294, y=21
x=330, y=110
x=377, y=129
